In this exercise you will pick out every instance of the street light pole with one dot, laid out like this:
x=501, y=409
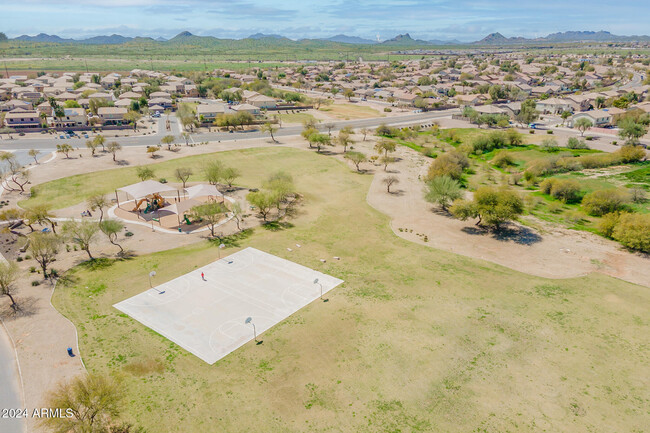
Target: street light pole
x=151, y=274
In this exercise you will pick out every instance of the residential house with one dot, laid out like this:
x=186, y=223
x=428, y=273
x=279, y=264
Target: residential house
x=22, y=119
x=554, y=105
x=597, y=117
x=73, y=117
x=111, y=115
x=262, y=101
x=209, y=112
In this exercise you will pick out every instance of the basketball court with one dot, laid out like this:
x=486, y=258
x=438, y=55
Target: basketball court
x=207, y=316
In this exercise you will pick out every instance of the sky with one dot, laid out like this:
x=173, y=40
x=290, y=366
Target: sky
x=464, y=20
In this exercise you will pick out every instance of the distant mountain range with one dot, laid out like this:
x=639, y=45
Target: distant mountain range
x=563, y=37
x=405, y=40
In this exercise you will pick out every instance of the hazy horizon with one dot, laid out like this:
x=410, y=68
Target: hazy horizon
x=465, y=20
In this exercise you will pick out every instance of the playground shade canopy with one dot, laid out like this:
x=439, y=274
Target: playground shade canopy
x=181, y=207
x=202, y=190
x=145, y=188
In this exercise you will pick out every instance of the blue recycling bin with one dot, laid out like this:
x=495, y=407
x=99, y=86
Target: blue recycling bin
x=70, y=351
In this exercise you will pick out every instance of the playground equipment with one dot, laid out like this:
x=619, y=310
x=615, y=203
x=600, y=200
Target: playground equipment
x=153, y=203
x=187, y=220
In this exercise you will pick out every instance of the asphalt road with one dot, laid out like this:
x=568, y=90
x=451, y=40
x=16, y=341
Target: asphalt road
x=9, y=388
x=48, y=143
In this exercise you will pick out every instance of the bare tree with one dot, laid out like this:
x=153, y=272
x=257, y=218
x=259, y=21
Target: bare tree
x=98, y=202
x=390, y=181
x=183, y=174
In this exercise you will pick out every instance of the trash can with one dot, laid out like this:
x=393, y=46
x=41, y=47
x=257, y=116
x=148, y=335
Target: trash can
x=70, y=351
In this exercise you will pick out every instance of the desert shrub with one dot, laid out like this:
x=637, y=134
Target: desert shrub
x=549, y=145
x=629, y=153
x=633, y=231
x=568, y=163
x=637, y=195
x=574, y=143
x=608, y=223
x=487, y=143
x=565, y=190
x=604, y=201
x=449, y=164
x=546, y=185
x=554, y=207
x=502, y=159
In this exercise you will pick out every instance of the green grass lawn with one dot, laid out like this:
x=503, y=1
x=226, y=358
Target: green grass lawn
x=415, y=340
x=296, y=117
x=71, y=190
x=351, y=111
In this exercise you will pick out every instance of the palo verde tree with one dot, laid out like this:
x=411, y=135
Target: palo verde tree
x=9, y=272
x=113, y=147
x=82, y=233
x=493, y=207
x=211, y=213
x=443, y=190
x=98, y=202
x=144, y=173
x=65, y=149
x=582, y=125
x=357, y=158
x=44, y=248
x=112, y=228
x=100, y=140
x=269, y=128
x=94, y=402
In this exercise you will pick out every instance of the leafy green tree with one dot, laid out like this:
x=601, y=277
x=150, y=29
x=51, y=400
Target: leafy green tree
x=348, y=93
x=230, y=174
x=65, y=149
x=186, y=114
x=528, y=113
x=269, y=128
x=93, y=400
x=112, y=228
x=133, y=117
x=443, y=190
x=213, y=172
x=357, y=158
x=113, y=147
x=90, y=144
x=582, y=124
x=83, y=233
x=144, y=173
x=34, y=153
x=9, y=273
x=344, y=140
x=263, y=201
x=631, y=131
x=44, y=247
x=41, y=214
x=98, y=202
x=493, y=207
x=321, y=140
x=100, y=140
x=168, y=140
x=385, y=146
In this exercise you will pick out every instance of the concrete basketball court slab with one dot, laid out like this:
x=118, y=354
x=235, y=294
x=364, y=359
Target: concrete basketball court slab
x=207, y=317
